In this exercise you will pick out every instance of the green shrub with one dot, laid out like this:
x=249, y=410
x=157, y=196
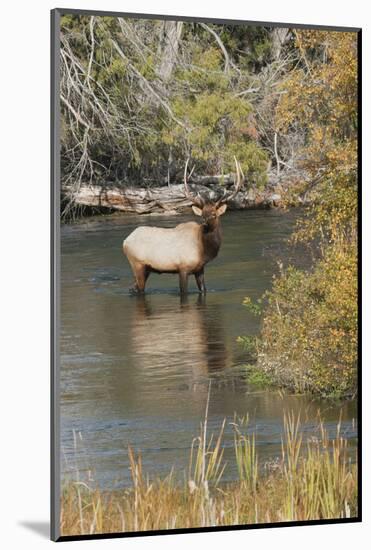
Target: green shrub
x=256, y=376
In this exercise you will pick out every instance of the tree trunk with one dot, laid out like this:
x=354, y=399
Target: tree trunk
x=171, y=33
x=279, y=39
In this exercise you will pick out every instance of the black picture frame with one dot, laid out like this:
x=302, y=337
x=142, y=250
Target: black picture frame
x=55, y=274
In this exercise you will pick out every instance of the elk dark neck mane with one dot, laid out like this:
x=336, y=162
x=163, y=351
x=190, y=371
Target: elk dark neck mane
x=211, y=240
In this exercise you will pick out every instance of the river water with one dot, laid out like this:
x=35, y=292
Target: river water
x=137, y=370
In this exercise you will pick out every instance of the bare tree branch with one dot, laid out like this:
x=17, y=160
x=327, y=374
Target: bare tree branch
x=228, y=61
x=75, y=113
x=146, y=84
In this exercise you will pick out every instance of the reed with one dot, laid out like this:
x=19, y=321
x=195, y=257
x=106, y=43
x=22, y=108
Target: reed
x=245, y=453
x=314, y=479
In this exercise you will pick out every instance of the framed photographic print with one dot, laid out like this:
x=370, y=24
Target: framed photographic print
x=205, y=261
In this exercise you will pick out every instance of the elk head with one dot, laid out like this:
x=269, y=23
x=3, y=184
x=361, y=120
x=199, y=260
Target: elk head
x=208, y=209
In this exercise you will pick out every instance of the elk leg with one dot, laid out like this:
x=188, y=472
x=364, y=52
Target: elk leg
x=147, y=272
x=183, y=282
x=141, y=274
x=200, y=280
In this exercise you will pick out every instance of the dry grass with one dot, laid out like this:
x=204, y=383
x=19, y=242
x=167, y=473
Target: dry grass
x=313, y=480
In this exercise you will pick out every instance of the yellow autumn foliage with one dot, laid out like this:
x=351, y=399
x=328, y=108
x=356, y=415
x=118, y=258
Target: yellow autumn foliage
x=309, y=331
x=321, y=95
x=309, y=327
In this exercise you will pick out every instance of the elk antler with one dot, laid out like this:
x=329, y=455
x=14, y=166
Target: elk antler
x=229, y=196
x=198, y=200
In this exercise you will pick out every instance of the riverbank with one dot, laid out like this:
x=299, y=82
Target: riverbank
x=313, y=479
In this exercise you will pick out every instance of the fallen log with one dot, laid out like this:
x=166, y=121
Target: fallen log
x=166, y=200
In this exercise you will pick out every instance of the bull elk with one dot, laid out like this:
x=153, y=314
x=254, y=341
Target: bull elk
x=184, y=249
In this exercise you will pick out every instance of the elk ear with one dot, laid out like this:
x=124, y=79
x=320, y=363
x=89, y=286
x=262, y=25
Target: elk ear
x=221, y=210
x=197, y=210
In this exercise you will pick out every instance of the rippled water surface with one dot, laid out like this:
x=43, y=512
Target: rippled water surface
x=136, y=370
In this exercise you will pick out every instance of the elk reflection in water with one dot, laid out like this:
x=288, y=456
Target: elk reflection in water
x=191, y=334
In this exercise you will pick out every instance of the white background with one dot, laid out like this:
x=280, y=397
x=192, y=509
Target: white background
x=24, y=268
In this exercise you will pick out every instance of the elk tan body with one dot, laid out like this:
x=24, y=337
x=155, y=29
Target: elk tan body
x=184, y=249
x=166, y=250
